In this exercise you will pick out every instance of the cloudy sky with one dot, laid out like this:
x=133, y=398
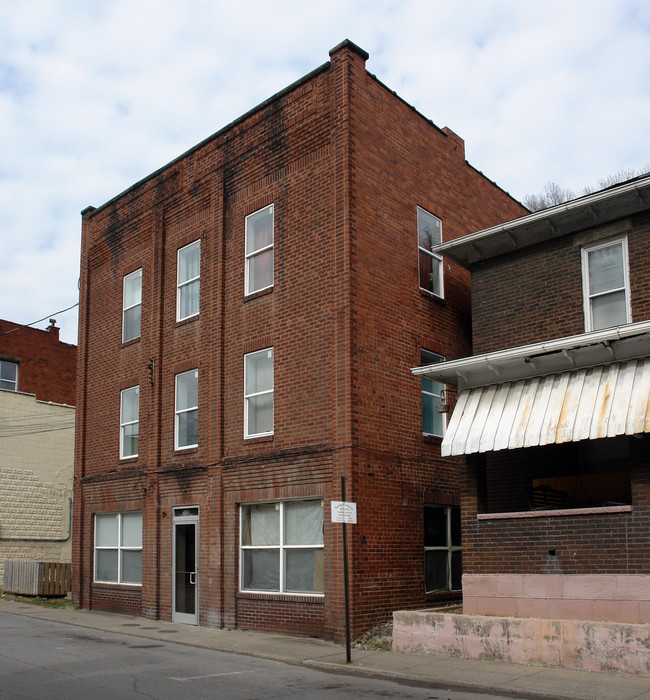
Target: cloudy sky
x=96, y=94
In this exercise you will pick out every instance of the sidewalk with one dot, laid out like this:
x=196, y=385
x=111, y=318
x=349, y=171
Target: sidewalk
x=449, y=673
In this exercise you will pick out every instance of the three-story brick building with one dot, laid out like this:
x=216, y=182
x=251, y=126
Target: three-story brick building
x=248, y=317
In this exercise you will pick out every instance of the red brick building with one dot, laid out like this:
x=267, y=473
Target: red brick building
x=249, y=314
x=36, y=362
x=552, y=423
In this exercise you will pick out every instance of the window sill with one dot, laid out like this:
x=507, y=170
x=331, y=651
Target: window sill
x=317, y=598
x=122, y=586
x=520, y=515
x=185, y=321
x=129, y=343
x=259, y=438
x=190, y=449
x=132, y=458
x=432, y=297
x=433, y=439
x=257, y=295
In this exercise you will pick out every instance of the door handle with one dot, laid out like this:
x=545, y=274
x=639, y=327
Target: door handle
x=193, y=577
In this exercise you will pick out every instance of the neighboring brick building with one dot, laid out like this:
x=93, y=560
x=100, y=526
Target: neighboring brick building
x=215, y=423
x=553, y=423
x=37, y=396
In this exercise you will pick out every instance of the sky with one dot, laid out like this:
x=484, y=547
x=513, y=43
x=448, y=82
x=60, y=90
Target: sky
x=97, y=94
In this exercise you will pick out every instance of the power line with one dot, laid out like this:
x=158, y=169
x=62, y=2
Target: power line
x=45, y=318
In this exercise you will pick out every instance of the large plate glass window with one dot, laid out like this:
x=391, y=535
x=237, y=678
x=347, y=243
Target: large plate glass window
x=118, y=547
x=282, y=547
x=132, y=306
x=189, y=278
x=429, y=263
x=259, y=250
x=187, y=410
x=433, y=422
x=443, y=564
x=129, y=422
x=258, y=393
x=606, y=285
x=8, y=375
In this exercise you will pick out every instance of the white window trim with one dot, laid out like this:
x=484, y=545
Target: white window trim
x=254, y=253
x=281, y=548
x=119, y=547
x=178, y=412
x=435, y=396
x=587, y=297
x=14, y=381
x=449, y=548
x=248, y=435
x=126, y=308
x=180, y=285
x=124, y=423
x=434, y=256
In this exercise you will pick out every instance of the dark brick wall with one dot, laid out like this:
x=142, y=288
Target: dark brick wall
x=345, y=163
x=47, y=367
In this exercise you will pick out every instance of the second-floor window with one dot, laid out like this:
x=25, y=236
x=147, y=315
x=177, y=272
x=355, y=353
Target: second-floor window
x=186, y=431
x=129, y=422
x=188, y=281
x=132, y=306
x=8, y=375
x=429, y=263
x=606, y=285
x=258, y=393
x=259, y=250
x=433, y=422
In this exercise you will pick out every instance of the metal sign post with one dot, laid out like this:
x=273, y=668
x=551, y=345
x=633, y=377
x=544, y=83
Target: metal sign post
x=345, y=512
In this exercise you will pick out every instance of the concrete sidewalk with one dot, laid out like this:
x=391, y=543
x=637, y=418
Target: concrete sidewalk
x=449, y=673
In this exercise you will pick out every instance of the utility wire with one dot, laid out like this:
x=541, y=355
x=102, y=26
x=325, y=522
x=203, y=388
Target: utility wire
x=45, y=318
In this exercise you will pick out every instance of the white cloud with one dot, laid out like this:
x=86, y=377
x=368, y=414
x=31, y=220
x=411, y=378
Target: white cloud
x=96, y=94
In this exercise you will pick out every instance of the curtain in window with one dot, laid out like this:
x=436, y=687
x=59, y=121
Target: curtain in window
x=607, y=274
x=189, y=269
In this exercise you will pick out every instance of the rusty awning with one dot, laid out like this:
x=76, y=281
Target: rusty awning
x=588, y=403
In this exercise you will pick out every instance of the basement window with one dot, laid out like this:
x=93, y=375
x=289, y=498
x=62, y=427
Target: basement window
x=443, y=563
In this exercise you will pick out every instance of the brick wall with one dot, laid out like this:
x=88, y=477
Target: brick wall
x=47, y=367
x=345, y=164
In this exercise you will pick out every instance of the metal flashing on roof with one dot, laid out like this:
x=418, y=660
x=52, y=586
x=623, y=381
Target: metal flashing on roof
x=584, y=404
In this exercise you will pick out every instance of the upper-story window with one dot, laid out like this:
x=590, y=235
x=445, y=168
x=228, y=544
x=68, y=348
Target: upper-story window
x=186, y=432
x=429, y=264
x=8, y=375
x=188, y=281
x=433, y=422
x=132, y=306
x=258, y=393
x=606, y=285
x=259, y=250
x=129, y=422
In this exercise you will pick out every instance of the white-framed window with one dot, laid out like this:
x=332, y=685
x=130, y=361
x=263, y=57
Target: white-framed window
x=281, y=547
x=186, y=428
x=132, y=306
x=129, y=422
x=443, y=557
x=429, y=263
x=433, y=422
x=258, y=393
x=188, y=281
x=606, y=285
x=259, y=250
x=118, y=547
x=8, y=375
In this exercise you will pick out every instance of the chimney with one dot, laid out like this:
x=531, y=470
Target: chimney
x=53, y=328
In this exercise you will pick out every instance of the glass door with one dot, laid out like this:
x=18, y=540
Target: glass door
x=185, y=589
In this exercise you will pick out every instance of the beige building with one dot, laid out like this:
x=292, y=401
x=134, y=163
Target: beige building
x=36, y=471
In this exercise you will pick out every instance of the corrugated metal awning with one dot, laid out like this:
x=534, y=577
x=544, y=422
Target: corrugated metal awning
x=597, y=402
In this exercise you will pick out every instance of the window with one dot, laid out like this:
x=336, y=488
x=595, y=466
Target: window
x=433, y=422
x=282, y=547
x=259, y=250
x=132, y=306
x=429, y=264
x=443, y=564
x=129, y=422
x=118, y=547
x=8, y=375
x=606, y=285
x=187, y=410
x=258, y=393
x=188, y=281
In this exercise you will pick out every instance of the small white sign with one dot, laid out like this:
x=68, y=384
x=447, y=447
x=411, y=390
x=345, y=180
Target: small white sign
x=344, y=512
